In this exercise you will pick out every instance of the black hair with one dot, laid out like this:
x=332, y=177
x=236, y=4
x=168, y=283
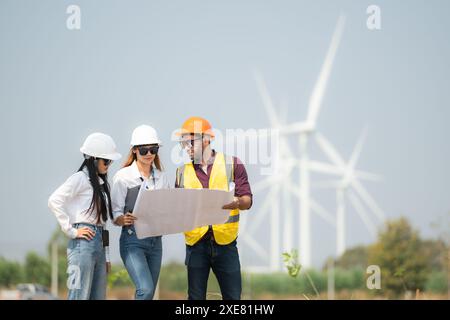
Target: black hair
x=98, y=203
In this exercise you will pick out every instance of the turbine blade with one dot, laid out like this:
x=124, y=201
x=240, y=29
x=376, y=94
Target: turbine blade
x=326, y=184
x=296, y=127
x=318, y=92
x=330, y=151
x=267, y=100
x=356, y=203
x=265, y=207
x=321, y=167
x=363, y=175
x=367, y=198
x=255, y=246
x=264, y=184
x=357, y=150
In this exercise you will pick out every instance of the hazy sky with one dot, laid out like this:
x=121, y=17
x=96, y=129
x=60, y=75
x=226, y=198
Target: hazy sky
x=159, y=62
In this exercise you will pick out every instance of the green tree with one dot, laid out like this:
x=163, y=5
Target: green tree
x=399, y=252
x=435, y=252
x=352, y=258
x=119, y=277
x=37, y=269
x=11, y=273
x=442, y=227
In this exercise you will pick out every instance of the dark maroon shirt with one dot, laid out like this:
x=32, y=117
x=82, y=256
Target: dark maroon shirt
x=241, y=184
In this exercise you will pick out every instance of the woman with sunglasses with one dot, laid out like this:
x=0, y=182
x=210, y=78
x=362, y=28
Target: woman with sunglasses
x=82, y=205
x=141, y=257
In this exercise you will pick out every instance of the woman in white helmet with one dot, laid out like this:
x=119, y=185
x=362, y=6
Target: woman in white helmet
x=82, y=205
x=141, y=257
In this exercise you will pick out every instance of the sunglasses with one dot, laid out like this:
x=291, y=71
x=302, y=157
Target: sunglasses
x=144, y=150
x=189, y=143
x=107, y=162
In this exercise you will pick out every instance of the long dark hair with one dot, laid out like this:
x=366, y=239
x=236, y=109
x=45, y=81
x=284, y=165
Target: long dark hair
x=101, y=205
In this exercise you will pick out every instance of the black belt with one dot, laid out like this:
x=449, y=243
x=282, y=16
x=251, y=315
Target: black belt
x=90, y=225
x=209, y=235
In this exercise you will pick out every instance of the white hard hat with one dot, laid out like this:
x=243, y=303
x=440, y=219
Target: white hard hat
x=144, y=135
x=100, y=145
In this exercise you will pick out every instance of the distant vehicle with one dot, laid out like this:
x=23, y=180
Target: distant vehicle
x=27, y=291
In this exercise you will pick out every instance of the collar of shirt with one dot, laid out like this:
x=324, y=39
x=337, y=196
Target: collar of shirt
x=137, y=174
x=210, y=160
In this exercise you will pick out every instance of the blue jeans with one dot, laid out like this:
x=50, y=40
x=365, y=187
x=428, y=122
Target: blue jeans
x=223, y=260
x=86, y=267
x=142, y=258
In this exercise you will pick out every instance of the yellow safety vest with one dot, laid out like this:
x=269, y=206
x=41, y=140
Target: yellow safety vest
x=222, y=174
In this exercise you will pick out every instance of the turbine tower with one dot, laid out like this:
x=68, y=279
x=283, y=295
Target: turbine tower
x=305, y=130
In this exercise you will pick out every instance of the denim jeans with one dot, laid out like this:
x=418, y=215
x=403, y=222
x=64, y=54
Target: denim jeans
x=142, y=258
x=86, y=267
x=224, y=262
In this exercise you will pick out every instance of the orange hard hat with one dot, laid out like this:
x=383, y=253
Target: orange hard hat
x=196, y=125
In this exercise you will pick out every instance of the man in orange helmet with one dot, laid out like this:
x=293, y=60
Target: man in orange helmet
x=212, y=247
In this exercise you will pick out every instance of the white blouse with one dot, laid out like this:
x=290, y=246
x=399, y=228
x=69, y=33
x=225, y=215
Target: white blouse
x=71, y=201
x=130, y=177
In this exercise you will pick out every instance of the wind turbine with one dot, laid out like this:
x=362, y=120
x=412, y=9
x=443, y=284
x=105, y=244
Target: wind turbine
x=305, y=130
x=349, y=185
x=278, y=184
x=280, y=189
x=346, y=185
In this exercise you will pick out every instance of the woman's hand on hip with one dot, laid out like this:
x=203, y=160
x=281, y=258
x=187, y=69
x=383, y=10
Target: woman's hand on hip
x=85, y=233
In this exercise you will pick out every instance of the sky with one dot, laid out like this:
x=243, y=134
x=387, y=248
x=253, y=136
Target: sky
x=159, y=62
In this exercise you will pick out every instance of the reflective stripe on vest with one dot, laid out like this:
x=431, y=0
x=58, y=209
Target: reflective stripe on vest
x=234, y=218
x=222, y=174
